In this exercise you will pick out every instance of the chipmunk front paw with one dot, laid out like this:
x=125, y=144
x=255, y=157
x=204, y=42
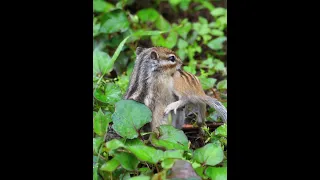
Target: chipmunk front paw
x=173, y=106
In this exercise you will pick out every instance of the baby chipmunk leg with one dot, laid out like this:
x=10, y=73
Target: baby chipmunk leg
x=174, y=106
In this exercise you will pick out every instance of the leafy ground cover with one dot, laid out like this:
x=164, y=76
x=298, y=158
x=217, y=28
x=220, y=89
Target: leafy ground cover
x=197, y=31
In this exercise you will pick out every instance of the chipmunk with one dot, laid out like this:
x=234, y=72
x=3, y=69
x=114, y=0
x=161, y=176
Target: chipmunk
x=189, y=90
x=159, y=82
x=151, y=83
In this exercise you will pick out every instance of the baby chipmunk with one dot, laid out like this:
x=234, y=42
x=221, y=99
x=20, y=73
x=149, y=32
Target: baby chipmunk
x=158, y=81
x=189, y=91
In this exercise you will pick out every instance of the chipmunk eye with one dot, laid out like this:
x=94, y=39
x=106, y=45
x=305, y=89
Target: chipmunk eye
x=172, y=58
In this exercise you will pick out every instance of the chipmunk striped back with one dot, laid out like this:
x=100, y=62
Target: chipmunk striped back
x=151, y=81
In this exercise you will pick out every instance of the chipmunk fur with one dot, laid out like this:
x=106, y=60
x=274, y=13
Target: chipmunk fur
x=159, y=82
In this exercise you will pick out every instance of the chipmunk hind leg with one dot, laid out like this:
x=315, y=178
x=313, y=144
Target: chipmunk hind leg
x=178, y=119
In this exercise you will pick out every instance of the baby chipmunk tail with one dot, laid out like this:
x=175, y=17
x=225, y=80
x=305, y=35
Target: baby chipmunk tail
x=217, y=105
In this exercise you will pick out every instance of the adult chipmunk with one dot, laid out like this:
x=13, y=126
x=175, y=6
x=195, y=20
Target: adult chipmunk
x=151, y=82
x=159, y=82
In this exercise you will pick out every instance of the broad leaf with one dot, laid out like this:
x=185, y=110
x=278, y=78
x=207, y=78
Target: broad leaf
x=216, y=44
x=102, y=63
x=210, y=154
x=217, y=173
x=221, y=131
x=97, y=141
x=177, y=154
x=222, y=85
x=114, y=21
x=200, y=171
x=218, y=11
x=207, y=83
x=128, y=161
x=101, y=122
x=167, y=163
x=110, y=165
x=146, y=153
x=141, y=177
x=132, y=142
x=129, y=117
x=148, y=14
x=170, y=138
x=114, y=144
x=110, y=95
x=162, y=24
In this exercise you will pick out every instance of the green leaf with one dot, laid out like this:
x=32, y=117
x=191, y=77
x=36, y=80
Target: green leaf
x=218, y=12
x=200, y=172
x=118, y=50
x=95, y=172
x=123, y=82
x=219, y=66
x=167, y=163
x=182, y=44
x=100, y=123
x=147, y=33
x=181, y=53
x=162, y=24
x=208, y=5
x=128, y=161
x=190, y=69
x=210, y=154
x=96, y=27
x=146, y=153
x=114, y=144
x=201, y=29
x=217, y=173
x=102, y=63
x=208, y=62
x=171, y=40
x=102, y=6
x=170, y=138
x=97, y=141
x=145, y=171
x=184, y=5
x=207, y=83
x=114, y=21
x=216, y=44
x=217, y=32
x=203, y=20
x=148, y=14
x=174, y=2
x=140, y=178
x=206, y=38
x=110, y=95
x=177, y=154
x=133, y=142
x=110, y=165
x=183, y=31
x=222, y=85
x=221, y=130
x=125, y=176
x=129, y=117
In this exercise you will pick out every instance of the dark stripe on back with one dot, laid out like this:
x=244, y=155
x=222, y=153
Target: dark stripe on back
x=134, y=87
x=183, y=75
x=144, y=91
x=144, y=86
x=193, y=80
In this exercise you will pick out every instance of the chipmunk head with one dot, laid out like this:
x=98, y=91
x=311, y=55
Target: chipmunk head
x=159, y=59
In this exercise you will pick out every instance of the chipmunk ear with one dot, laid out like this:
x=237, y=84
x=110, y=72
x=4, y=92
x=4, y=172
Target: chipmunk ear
x=154, y=55
x=139, y=50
